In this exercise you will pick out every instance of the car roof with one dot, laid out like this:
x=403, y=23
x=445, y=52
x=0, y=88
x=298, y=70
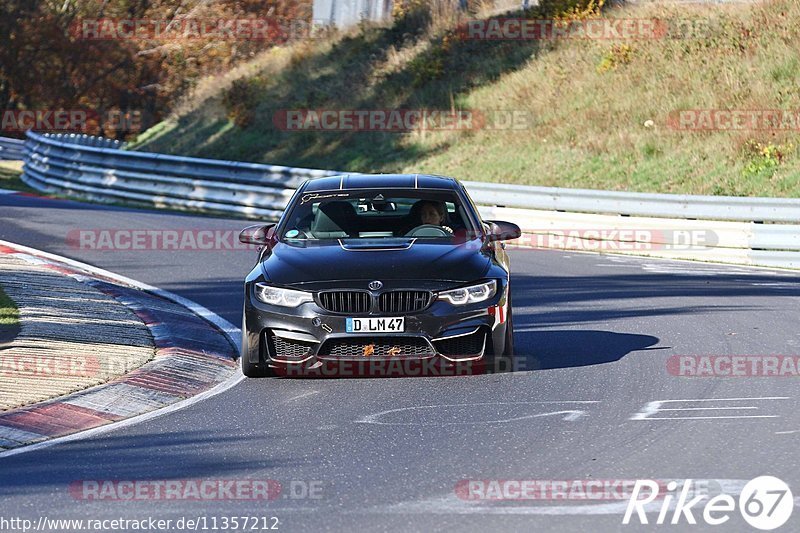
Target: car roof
x=387, y=181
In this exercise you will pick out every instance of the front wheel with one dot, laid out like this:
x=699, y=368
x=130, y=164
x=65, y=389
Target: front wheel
x=253, y=370
x=508, y=351
x=505, y=362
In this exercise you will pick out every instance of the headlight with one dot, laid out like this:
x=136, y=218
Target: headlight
x=470, y=295
x=285, y=297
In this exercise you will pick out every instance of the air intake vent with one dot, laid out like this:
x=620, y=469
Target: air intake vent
x=404, y=301
x=287, y=348
x=463, y=345
x=358, y=347
x=353, y=302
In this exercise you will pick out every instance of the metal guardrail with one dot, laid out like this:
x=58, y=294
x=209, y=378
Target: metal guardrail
x=12, y=149
x=762, y=231
x=783, y=210
x=75, y=165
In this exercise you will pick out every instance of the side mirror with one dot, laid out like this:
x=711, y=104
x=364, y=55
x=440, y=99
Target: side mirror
x=503, y=231
x=258, y=234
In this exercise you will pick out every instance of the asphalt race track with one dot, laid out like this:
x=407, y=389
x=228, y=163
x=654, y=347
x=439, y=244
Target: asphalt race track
x=593, y=334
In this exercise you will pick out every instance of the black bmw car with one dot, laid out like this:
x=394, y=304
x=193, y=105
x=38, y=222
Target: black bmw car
x=377, y=268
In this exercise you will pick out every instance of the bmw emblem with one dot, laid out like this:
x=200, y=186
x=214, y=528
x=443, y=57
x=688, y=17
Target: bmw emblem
x=375, y=285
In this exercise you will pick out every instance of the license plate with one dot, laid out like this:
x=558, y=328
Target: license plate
x=375, y=325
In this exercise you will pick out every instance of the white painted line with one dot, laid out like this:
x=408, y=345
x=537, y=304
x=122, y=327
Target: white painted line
x=695, y=272
x=792, y=432
x=729, y=399
x=232, y=332
x=7, y=191
x=450, y=505
x=655, y=407
x=304, y=395
x=725, y=268
x=570, y=415
x=707, y=408
x=787, y=272
x=708, y=417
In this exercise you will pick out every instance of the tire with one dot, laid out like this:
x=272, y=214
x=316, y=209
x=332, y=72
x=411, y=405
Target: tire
x=253, y=370
x=505, y=362
x=508, y=350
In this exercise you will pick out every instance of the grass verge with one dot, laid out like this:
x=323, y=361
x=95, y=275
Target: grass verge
x=600, y=111
x=9, y=318
x=11, y=177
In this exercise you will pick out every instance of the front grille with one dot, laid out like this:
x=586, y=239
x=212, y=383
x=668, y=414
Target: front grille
x=346, y=301
x=464, y=345
x=404, y=301
x=359, y=347
x=287, y=348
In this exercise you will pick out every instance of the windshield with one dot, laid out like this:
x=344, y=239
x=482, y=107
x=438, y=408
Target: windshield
x=374, y=214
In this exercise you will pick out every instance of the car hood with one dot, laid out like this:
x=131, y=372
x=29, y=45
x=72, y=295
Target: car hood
x=298, y=262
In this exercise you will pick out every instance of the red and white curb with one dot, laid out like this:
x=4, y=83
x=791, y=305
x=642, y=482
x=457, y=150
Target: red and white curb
x=196, y=358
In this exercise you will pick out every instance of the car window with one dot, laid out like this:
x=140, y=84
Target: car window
x=418, y=213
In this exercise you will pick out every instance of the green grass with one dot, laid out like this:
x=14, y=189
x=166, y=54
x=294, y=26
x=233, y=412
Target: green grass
x=9, y=314
x=599, y=111
x=10, y=172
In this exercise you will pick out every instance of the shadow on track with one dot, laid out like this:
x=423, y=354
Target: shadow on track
x=148, y=456
x=542, y=350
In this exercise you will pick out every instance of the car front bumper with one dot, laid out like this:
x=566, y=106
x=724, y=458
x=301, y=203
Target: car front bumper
x=309, y=336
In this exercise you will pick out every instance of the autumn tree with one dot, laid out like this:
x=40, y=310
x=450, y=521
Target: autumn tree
x=49, y=58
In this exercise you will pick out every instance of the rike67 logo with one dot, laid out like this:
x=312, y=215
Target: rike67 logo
x=765, y=503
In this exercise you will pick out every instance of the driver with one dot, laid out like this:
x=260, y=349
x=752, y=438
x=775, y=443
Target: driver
x=432, y=212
